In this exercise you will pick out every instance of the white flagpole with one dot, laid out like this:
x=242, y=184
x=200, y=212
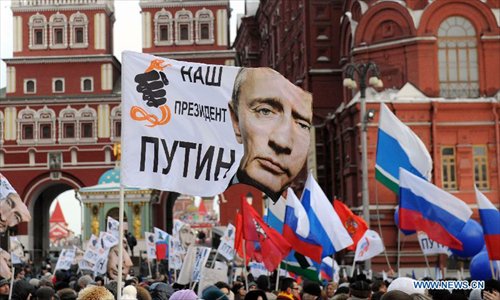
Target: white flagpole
x=120, y=243
x=353, y=265
x=399, y=249
x=276, y=288
x=426, y=261
x=13, y=270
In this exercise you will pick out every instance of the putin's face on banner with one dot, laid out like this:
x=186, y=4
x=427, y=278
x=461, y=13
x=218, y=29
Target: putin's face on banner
x=272, y=119
x=12, y=211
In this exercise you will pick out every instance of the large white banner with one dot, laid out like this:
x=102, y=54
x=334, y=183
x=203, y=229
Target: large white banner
x=177, y=132
x=198, y=128
x=430, y=247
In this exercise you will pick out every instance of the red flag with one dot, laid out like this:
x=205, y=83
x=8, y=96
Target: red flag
x=354, y=224
x=272, y=247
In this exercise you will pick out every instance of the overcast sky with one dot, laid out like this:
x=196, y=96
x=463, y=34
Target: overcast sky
x=127, y=28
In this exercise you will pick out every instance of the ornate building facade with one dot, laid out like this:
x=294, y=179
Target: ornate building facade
x=439, y=62
x=61, y=116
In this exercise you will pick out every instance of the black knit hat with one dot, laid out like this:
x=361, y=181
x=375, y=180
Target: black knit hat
x=312, y=288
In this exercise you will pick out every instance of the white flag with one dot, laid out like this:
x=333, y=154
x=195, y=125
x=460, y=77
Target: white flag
x=226, y=246
x=430, y=247
x=369, y=245
x=177, y=133
x=150, y=245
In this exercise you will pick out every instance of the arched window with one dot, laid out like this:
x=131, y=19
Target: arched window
x=67, y=125
x=29, y=86
x=58, y=35
x=38, y=32
x=58, y=85
x=26, y=124
x=87, y=84
x=46, y=120
x=87, y=120
x=78, y=23
x=204, y=27
x=116, y=123
x=457, y=57
x=163, y=28
x=183, y=27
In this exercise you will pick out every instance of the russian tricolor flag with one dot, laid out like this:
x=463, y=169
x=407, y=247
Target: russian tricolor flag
x=297, y=229
x=490, y=219
x=425, y=207
x=324, y=222
x=399, y=147
x=161, y=241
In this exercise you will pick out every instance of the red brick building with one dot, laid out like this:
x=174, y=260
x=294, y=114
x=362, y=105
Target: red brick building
x=61, y=115
x=440, y=64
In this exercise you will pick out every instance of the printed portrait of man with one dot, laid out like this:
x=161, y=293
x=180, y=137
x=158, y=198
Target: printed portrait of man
x=272, y=119
x=5, y=269
x=12, y=209
x=113, y=259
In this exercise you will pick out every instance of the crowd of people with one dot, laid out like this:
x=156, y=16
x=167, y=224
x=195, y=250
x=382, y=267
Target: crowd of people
x=69, y=285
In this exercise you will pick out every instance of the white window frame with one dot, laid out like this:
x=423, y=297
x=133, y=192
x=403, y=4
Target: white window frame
x=183, y=17
x=25, y=86
x=205, y=16
x=82, y=86
x=78, y=20
x=54, y=85
x=163, y=18
x=68, y=116
x=46, y=115
x=116, y=116
x=58, y=21
x=458, y=58
x=36, y=22
x=87, y=114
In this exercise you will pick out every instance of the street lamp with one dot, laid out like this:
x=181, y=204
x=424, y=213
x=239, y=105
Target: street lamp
x=362, y=70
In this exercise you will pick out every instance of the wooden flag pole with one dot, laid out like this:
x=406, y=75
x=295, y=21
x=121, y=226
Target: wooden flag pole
x=380, y=227
x=492, y=270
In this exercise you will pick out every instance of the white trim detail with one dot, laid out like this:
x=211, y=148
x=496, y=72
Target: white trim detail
x=204, y=17
x=116, y=117
x=76, y=21
x=58, y=21
x=82, y=84
x=38, y=22
x=106, y=77
x=222, y=37
x=54, y=81
x=25, y=85
x=163, y=18
x=87, y=115
x=146, y=29
x=18, y=34
x=184, y=17
x=11, y=79
x=67, y=116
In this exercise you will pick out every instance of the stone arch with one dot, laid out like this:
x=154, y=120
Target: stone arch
x=346, y=32
x=478, y=13
x=42, y=192
x=384, y=21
